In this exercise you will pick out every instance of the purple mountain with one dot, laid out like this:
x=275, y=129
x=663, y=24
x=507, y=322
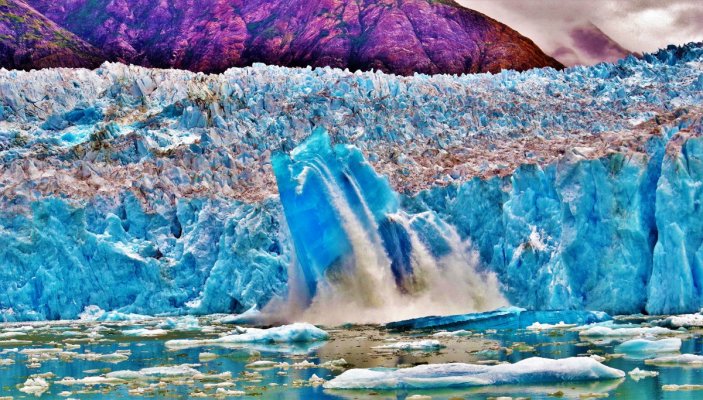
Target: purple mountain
x=29, y=40
x=590, y=45
x=397, y=36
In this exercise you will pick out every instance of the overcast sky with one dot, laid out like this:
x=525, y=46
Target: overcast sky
x=637, y=25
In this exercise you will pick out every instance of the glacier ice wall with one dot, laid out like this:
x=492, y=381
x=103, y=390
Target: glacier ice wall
x=153, y=191
x=199, y=256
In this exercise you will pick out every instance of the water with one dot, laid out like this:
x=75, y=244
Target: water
x=352, y=343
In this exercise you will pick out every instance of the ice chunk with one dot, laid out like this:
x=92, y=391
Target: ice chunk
x=645, y=346
x=261, y=364
x=672, y=388
x=684, y=320
x=424, y=345
x=502, y=318
x=460, y=332
x=90, y=381
x=546, y=327
x=186, y=323
x=604, y=331
x=247, y=317
x=342, y=189
x=293, y=333
x=35, y=385
x=637, y=374
x=528, y=371
x=145, y=332
x=682, y=359
x=173, y=371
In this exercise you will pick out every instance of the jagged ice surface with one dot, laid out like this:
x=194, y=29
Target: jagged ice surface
x=152, y=191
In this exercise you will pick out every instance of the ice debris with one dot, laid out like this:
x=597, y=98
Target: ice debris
x=502, y=318
x=531, y=370
x=677, y=360
x=637, y=374
x=604, y=331
x=646, y=346
x=421, y=345
x=293, y=333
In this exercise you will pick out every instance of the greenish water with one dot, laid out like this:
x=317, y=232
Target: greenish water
x=58, y=350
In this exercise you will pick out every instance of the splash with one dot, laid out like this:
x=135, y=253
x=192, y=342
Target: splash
x=358, y=257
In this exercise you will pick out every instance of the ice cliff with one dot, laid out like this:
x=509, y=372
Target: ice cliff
x=153, y=191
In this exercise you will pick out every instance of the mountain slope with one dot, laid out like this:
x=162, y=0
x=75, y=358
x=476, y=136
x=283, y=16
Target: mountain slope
x=397, y=36
x=29, y=40
x=590, y=45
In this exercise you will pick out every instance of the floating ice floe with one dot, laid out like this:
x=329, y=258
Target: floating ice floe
x=205, y=356
x=293, y=333
x=95, y=313
x=186, y=323
x=116, y=357
x=646, y=346
x=426, y=345
x=672, y=388
x=683, y=321
x=528, y=371
x=461, y=332
x=545, y=327
x=145, y=332
x=677, y=360
x=173, y=371
x=90, y=381
x=35, y=385
x=262, y=364
x=501, y=318
x=604, y=331
x=637, y=374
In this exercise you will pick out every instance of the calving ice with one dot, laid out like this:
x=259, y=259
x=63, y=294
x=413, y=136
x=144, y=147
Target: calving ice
x=356, y=249
x=164, y=191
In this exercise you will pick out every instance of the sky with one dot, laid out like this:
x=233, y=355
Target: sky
x=578, y=31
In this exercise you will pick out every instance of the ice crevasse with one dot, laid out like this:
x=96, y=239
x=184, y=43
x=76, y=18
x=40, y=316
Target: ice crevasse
x=168, y=192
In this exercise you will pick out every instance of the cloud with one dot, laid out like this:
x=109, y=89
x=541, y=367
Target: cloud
x=638, y=25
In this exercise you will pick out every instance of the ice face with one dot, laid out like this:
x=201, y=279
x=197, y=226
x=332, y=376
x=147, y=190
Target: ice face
x=220, y=257
x=153, y=191
x=531, y=370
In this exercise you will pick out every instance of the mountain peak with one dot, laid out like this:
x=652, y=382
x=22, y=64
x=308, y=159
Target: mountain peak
x=29, y=40
x=395, y=36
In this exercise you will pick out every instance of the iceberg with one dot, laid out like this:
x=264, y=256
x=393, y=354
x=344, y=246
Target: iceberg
x=502, y=318
x=683, y=321
x=421, y=345
x=534, y=370
x=637, y=374
x=605, y=331
x=677, y=360
x=647, y=347
x=293, y=333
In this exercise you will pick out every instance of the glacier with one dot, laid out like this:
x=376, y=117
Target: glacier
x=166, y=192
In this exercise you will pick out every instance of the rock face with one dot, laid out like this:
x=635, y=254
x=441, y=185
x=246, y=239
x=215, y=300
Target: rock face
x=30, y=40
x=149, y=191
x=396, y=36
